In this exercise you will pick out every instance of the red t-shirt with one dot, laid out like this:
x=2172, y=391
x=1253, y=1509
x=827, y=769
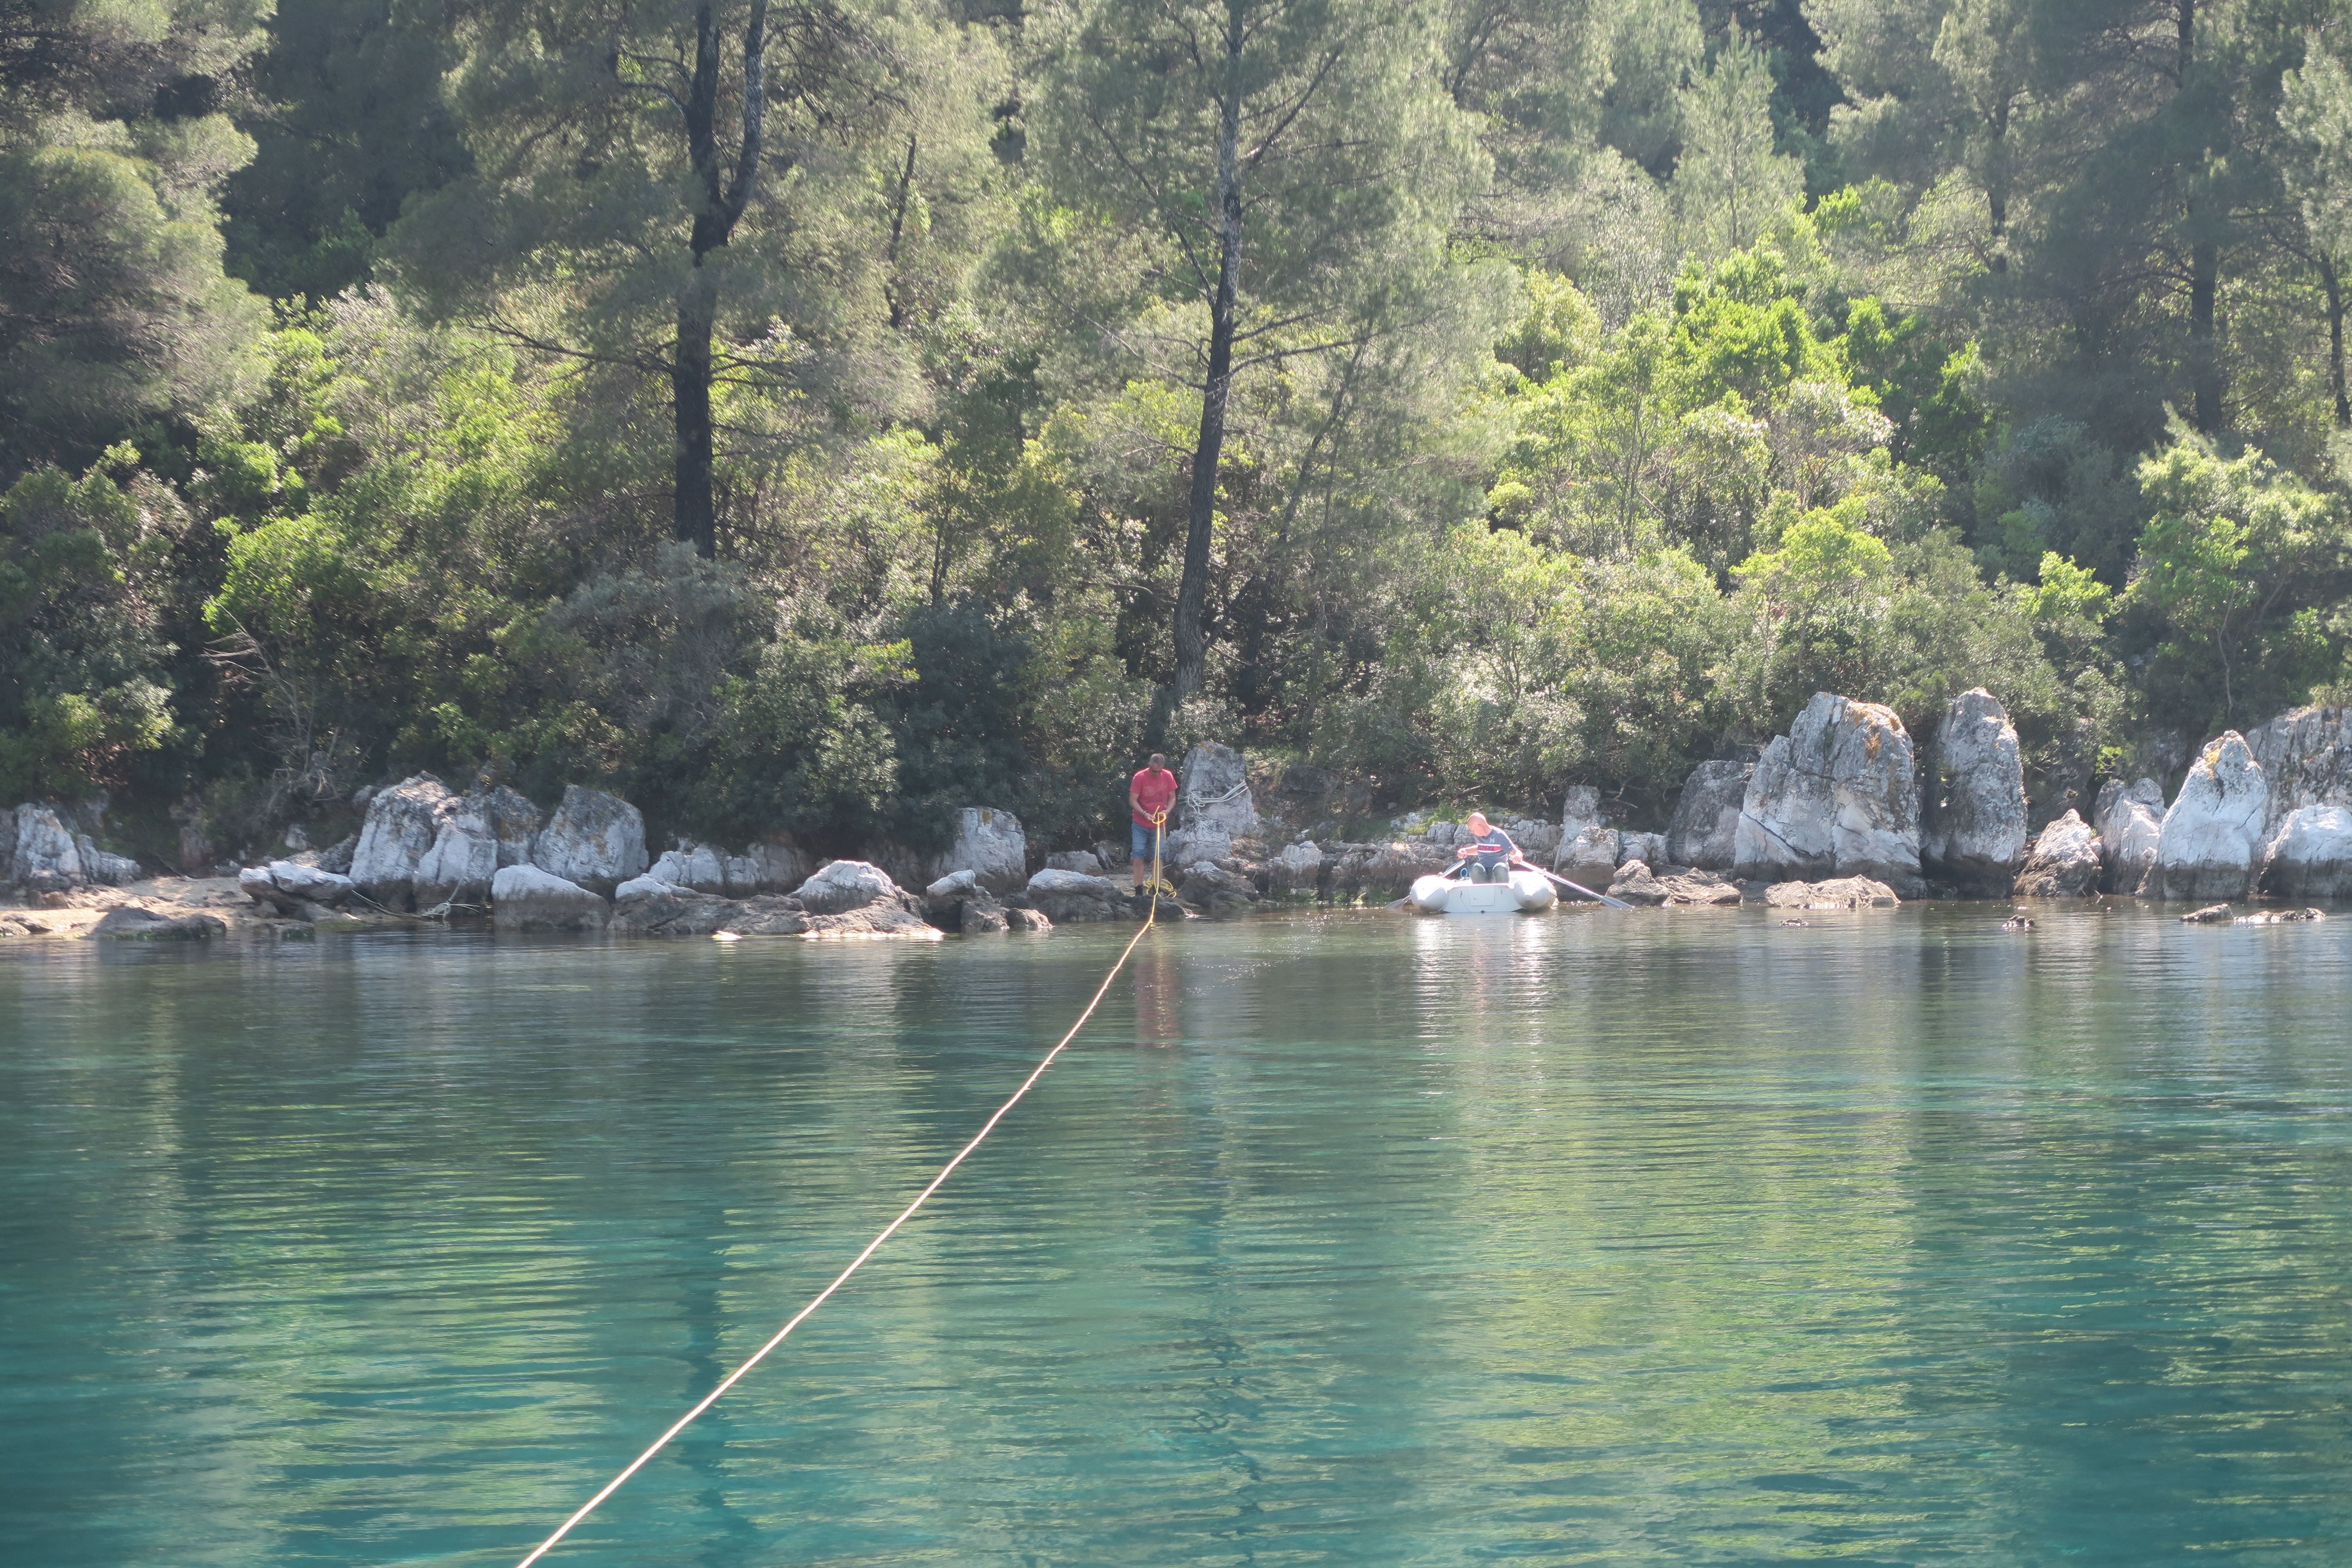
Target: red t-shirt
x=1153, y=792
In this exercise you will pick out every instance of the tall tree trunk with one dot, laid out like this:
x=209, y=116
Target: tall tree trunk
x=1192, y=588
x=722, y=205
x=697, y=512
x=2204, y=261
x=2333, y=281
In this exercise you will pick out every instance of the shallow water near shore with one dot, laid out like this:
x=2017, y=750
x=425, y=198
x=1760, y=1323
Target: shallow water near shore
x=1678, y=1236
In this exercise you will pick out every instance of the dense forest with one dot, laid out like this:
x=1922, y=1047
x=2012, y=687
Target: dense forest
x=809, y=414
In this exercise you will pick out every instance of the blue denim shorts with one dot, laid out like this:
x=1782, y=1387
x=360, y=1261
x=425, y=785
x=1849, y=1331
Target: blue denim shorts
x=1138, y=838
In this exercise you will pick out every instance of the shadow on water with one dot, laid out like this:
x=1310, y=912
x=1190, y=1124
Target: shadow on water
x=1671, y=1236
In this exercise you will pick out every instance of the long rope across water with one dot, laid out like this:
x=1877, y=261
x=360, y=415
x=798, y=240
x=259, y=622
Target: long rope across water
x=1150, y=915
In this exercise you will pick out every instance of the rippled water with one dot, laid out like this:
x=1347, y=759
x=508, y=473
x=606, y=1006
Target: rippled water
x=1673, y=1237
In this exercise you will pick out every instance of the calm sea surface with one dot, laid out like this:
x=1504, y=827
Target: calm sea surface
x=1663, y=1238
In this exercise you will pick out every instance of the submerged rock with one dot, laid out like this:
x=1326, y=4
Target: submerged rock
x=2212, y=843
x=1972, y=818
x=1706, y=825
x=1835, y=797
x=2280, y=918
x=2064, y=864
x=877, y=919
x=2210, y=915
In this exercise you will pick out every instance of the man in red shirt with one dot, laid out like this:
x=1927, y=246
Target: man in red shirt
x=1149, y=793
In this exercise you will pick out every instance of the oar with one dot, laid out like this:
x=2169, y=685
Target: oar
x=1579, y=887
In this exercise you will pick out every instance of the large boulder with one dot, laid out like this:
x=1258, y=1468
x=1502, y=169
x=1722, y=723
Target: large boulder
x=42, y=854
x=404, y=824
x=594, y=839
x=1580, y=808
x=1073, y=898
x=105, y=870
x=1649, y=848
x=842, y=885
x=1972, y=818
x=871, y=920
x=529, y=898
x=1834, y=797
x=644, y=907
x=699, y=866
x=1837, y=894
x=1297, y=869
x=2065, y=863
x=1212, y=888
x=294, y=889
x=2311, y=855
x=767, y=865
x=132, y=923
x=1592, y=857
x=1706, y=818
x=1213, y=794
x=2306, y=755
x=2130, y=819
x=989, y=843
x=462, y=859
x=2212, y=840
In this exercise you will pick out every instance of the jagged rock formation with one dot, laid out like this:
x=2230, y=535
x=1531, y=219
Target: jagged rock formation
x=1835, y=797
x=2212, y=843
x=2130, y=819
x=2064, y=862
x=1706, y=824
x=594, y=839
x=1972, y=816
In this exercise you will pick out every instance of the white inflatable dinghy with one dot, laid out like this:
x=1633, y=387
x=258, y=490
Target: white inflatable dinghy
x=1526, y=891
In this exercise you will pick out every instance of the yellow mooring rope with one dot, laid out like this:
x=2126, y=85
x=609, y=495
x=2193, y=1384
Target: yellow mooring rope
x=733, y=1378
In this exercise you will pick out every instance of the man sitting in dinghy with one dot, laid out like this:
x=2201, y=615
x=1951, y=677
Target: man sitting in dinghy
x=1490, y=851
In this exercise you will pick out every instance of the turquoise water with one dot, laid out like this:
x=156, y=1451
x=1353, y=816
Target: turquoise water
x=1669, y=1237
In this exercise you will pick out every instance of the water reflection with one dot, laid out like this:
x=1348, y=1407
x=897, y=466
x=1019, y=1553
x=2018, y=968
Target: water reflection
x=1681, y=1236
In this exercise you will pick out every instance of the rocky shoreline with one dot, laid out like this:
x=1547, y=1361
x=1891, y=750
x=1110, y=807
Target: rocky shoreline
x=1841, y=812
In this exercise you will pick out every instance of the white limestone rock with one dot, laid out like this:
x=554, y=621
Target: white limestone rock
x=1649, y=848
x=1706, y=818
x=1213, y=796
x=956, y=885
x=1297, y=869
x=528, y=897
x=767, y=865
x=513, y=822
x=2212, y=843
x=462, y=858
x=2311, y=855
x=2065, y=863
x=1592, y=857
x=2130, y=819
x=594, y=839
x=989, y=843
x=2306, y=755
x=690, y=864
x=1580, y=808
x=1082, y=861
x=403, y=822
x=1538, y=840
x=45, y=855
x=649, y=885
x=105, y=870
x=1074, y=897
x=1972, y=818
x=1834, y=797
x=844, y=885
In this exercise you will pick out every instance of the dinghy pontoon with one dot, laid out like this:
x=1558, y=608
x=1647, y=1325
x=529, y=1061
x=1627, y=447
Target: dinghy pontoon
x=1526, y=891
